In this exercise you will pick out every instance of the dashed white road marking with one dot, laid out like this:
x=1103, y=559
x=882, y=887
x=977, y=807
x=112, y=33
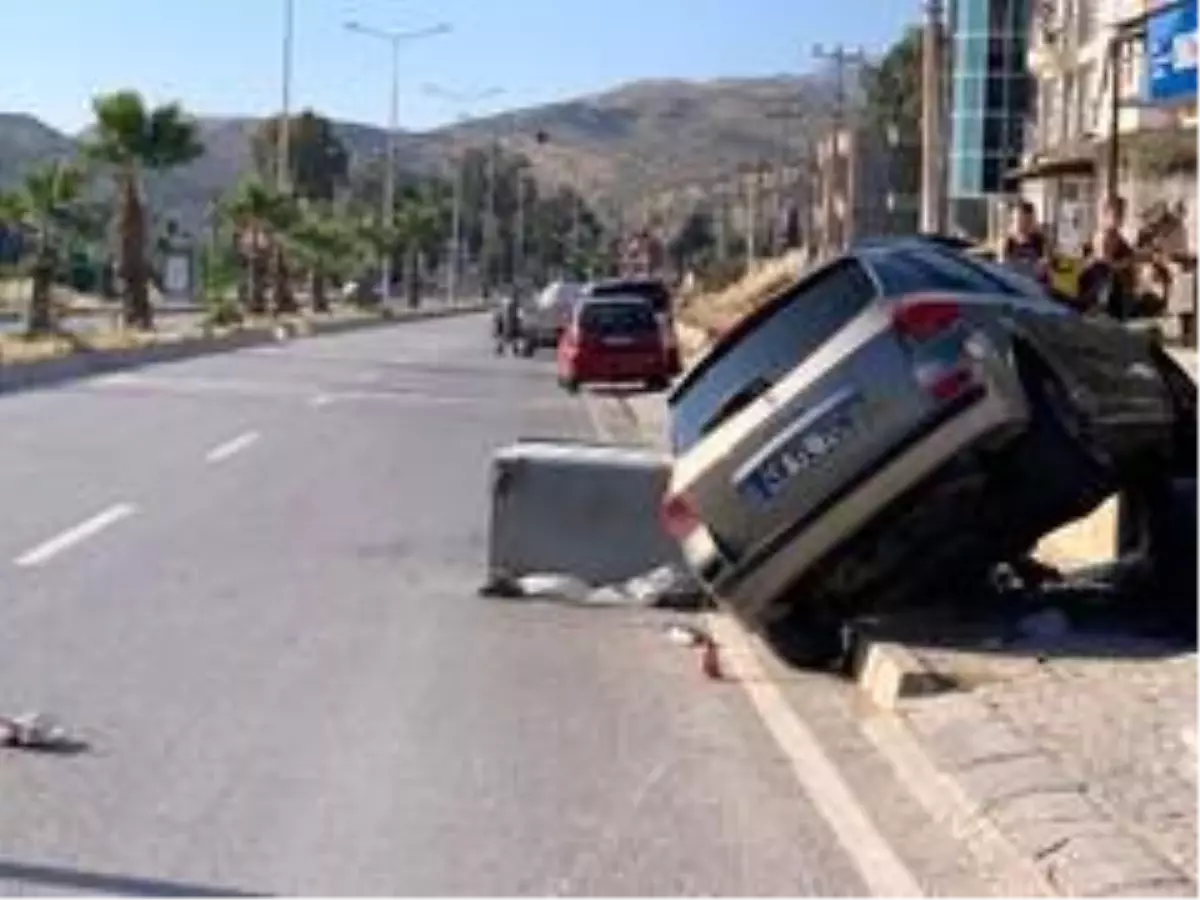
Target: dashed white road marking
x=320, y=400
x=48, y=549
x=229, y=448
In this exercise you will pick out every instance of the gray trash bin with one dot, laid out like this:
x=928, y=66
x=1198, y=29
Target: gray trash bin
x=586, y=510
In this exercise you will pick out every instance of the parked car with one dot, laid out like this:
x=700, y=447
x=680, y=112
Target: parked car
x=545, y=318
x=655, y=292
x=898, y=421
x=613, y=340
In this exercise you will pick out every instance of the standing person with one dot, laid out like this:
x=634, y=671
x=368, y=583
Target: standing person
x=1114, y=258
x=1024, y=246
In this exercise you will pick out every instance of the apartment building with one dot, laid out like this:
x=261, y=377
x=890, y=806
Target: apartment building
x=990, y=98
x=1065, y=167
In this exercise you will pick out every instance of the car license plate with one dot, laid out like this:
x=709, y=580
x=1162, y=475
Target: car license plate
x=807, y=449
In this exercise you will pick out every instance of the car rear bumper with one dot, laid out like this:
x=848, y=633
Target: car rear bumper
x=616, y=371
x=755, y=583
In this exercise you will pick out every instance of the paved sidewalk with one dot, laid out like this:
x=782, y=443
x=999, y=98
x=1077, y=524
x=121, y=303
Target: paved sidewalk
x=1078, y=755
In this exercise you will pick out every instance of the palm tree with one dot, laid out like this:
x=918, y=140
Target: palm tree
x=48, y=204
x=131, y=138
x=262, y=217
x=418, y=230
x=326, y=247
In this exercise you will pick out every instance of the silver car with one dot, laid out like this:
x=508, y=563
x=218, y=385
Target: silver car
x=898, y=421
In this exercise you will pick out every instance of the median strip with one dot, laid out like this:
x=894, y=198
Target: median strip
x=77, y=534
x=231, y=447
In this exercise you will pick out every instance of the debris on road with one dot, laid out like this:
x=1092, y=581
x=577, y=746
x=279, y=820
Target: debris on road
x=668, y=587
x=710, y=660
x=35, y=731
x=685, y=635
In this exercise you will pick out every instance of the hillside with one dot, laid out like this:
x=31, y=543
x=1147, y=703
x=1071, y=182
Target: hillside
x=625, y=142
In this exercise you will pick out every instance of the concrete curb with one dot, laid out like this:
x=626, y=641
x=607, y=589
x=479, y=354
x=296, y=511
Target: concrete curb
x=47, y=373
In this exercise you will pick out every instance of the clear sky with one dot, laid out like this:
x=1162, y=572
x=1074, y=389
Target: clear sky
x=223, y=56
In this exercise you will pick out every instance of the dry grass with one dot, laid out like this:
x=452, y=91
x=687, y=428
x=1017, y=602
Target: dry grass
x=704, y=316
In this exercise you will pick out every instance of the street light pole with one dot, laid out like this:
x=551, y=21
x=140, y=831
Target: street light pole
x=394, y=39
x=283, y=136
x=464, y=100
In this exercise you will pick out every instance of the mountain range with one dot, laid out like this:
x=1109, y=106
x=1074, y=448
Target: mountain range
x=625, y=143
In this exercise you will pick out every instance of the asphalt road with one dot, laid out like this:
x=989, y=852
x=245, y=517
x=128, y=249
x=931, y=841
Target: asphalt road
x=249, y=581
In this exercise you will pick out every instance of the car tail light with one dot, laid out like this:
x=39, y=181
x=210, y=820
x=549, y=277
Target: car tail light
x=924, y=316
x=679, y=518
x=946, y=383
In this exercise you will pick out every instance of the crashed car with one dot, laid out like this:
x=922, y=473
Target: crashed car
x=898, y=421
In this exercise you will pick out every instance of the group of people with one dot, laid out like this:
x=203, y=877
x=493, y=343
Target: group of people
x=1117, y=277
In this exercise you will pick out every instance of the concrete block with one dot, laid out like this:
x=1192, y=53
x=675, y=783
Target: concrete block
x=585, y=510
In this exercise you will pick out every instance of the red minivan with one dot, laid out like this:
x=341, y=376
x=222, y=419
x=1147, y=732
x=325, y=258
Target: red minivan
x=655, y=292
x=614, y=340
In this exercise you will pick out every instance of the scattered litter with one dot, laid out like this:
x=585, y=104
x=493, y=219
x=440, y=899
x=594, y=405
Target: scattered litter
x=554, y=585
x=1046, y=625
x=666, y=586
x=34, y=731
x=685, y=635
x=710, y=660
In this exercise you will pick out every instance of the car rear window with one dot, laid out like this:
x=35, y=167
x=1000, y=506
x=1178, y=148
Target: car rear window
x=607, y=319
x=653, y=292
x=799, y=323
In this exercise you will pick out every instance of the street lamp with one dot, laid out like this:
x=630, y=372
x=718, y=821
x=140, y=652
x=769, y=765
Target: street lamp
x=394, y=39
x=463, y=100
x=283, y=136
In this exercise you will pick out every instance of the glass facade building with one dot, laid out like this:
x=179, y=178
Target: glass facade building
x=990, y=100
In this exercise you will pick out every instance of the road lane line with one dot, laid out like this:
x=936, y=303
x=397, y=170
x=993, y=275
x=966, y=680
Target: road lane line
x=230, y=447
x=47, y=550
x=882, y=870
x=320, y=400
x=880, y=867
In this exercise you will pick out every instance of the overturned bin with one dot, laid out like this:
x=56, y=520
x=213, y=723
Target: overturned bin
x=587, y=510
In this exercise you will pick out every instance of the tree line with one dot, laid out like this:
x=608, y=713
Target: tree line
x=269, y=240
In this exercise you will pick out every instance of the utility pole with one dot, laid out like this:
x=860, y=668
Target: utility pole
x=932, y=139
x=283, y=165
x=464, y=100
x=842, y=59
x=394, y=39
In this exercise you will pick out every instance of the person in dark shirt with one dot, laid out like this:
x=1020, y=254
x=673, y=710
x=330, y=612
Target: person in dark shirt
x=1113, y=277
x=1025, y=247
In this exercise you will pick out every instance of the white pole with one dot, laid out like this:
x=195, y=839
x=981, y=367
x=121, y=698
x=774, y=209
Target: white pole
x=389, y=177
x=283, y=146
x=455, y=233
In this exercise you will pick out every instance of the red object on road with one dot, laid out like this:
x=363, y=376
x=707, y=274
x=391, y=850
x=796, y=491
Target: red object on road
x=614, y=340
x=710, y=660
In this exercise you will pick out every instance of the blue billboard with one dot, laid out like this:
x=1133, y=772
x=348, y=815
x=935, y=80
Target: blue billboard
x=1171, y=53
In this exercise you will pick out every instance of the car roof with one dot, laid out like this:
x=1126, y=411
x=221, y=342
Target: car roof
x=865, y=252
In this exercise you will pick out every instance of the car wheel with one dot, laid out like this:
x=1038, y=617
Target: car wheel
x=527, y=348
